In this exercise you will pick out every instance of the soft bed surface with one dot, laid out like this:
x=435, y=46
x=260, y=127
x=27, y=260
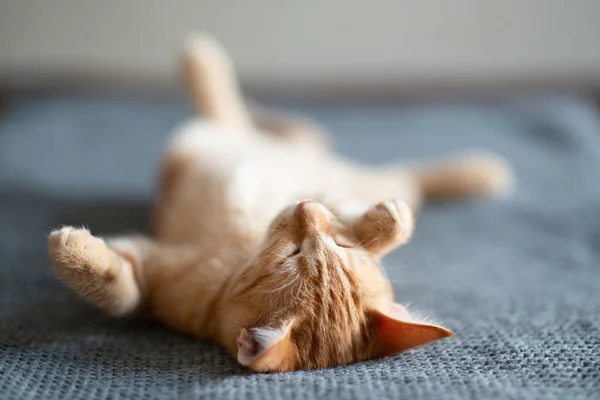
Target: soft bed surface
x=517, y=279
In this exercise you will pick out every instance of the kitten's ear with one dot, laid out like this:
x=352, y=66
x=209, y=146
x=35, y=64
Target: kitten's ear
x=396, y=333
x=266, y=349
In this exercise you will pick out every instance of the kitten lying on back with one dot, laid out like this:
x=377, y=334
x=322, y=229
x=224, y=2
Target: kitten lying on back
x=241, y=257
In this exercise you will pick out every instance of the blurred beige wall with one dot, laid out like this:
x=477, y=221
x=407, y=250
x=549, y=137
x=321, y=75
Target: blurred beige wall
x=310, y=41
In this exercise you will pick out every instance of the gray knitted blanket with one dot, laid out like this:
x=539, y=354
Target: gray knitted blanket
x=517, y=279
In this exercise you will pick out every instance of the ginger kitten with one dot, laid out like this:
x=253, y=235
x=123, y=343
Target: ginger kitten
x=265, y=242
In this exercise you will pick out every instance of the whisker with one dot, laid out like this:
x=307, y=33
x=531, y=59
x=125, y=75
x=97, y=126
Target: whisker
x=372, y=241
x=299, y=288
x=403, y=282
x=291, y=282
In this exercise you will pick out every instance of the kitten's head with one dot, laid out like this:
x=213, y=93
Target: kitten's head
x=316, y=296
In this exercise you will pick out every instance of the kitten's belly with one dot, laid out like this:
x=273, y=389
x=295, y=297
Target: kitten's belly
x=234, y=185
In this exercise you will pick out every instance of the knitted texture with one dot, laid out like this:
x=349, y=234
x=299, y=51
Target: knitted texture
x=517, y=279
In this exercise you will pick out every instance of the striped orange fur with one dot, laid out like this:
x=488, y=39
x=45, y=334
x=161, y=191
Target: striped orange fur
x=241, y=257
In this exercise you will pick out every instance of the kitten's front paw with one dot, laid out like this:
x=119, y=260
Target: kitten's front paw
x=76, y=254
x=392, y=217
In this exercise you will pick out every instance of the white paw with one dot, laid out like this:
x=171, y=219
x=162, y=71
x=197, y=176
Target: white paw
x=76, y=252
x=392, y=215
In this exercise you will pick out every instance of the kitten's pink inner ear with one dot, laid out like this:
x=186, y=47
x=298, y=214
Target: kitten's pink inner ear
x=398, y=311
x=265, y=349
x=395, y=335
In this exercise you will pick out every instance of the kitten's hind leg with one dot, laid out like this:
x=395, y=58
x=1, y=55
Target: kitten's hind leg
x=99, y=274
x=478, y=174
x=294, y=130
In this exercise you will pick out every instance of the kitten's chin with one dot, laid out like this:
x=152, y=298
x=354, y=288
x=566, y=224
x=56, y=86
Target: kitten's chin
x=312, y=215
x=307, y=208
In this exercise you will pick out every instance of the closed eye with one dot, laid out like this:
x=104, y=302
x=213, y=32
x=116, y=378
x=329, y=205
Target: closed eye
x=295, y=251
x=291, y=252
x=341, y=242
